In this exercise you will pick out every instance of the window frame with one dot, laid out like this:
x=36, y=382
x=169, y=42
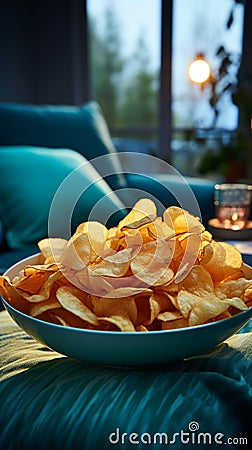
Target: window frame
x=164, y=129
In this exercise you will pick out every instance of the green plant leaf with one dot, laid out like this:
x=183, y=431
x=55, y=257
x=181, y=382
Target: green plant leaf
x=230, y=19
x=229, y=87
x=220, y=50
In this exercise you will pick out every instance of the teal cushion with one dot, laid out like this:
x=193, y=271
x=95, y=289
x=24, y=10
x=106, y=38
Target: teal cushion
x=31, y=203
x=81, y=128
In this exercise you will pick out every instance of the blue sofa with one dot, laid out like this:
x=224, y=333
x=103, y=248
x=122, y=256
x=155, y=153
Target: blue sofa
x=52, y=401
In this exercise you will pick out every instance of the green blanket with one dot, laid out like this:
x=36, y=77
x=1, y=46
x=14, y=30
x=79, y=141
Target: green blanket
x=48, y=401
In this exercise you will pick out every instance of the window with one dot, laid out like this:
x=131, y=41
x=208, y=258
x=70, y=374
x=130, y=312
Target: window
x=124, y=41
x=139, y=60
x=194, y=32
x=203, y=119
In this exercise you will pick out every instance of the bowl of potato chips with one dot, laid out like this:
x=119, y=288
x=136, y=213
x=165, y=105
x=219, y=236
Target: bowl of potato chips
x=151, y=290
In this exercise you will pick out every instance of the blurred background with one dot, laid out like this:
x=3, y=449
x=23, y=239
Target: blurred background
x=133, y=57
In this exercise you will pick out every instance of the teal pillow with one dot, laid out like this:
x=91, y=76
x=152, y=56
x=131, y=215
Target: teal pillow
x=50, y=191
x=81, y=128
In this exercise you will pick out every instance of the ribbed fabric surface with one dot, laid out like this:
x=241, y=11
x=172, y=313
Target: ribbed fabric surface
x=48, y=401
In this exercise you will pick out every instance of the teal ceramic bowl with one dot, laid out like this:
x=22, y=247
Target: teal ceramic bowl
x=119, y=349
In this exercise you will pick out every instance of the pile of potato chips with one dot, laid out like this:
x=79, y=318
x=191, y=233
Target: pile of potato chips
x=148, y=273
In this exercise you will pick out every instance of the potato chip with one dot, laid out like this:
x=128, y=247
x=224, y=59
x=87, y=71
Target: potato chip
x=88, y=281
x=123, y=323
x=198, y=282
x=175, y=324
x=115, y=265
x=151, y=264
x=32, y=282
x=196, y=288
x=77, y=253
x=206, y=238
x=221, y=260
x=233, y=288
x=158, y=303
x=160, y=230
x=190, y=245
x=168, y=316
x=12, y=296
x=45, y=292
x=63, y=317
x=134, y=239
x=124, y=307
x=143, y=309
x=172, y=320
x=41, y=307
x=143, y=212
x=208, y=309
x=182, y=221
x=97, y=235
x=69, y=298
x=141, y=328
x=186, y=300
x=33, y=279
x=52, y=247
x=172, y=296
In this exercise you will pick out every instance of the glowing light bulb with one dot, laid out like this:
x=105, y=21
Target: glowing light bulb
x=199, y=70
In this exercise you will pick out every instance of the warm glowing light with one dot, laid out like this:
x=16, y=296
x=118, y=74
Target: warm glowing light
x=199, y=70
